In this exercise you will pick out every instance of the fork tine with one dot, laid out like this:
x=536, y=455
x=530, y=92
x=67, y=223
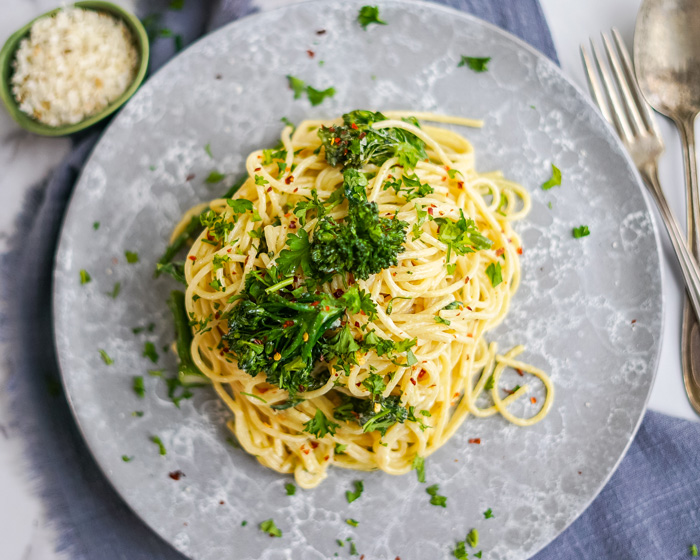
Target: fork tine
x=629, y=101
x=594, y=86
x=642, y=105
x=618, y=114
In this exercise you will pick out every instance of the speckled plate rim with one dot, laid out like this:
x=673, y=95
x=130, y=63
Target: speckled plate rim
x=552, y=67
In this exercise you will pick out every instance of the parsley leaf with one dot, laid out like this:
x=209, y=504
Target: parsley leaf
x=368, y=15
x=340, y=448
x=440, y=320
x=138, y=386
x=105, y=358
x=297, y=256
x=290, y=488
x=352, y=496
x=270, y=528
x=298, y=86
x=693, y=550
x=554, y=181
x=207, y=149
x=478, y=64
x=319, y=425
x=352, y=522
x=149, y=351
x=85, y=277
x=96, y=226
x=436, y=499
x=316, y=96
x=487, y=387
x=115, y=291
x=131, y=257
x=488, y=514
x=493, y=271
x=214, y=177
x=159, y=443
x=473, y=538
x=460, y=551
x=461, y=236
x=581, y=231
x=126, y=458
x=419, y=466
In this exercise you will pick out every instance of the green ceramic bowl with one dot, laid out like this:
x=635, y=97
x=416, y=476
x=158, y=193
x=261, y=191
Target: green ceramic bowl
x=7, y=55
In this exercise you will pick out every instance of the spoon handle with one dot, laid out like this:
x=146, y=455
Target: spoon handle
x=690, y=334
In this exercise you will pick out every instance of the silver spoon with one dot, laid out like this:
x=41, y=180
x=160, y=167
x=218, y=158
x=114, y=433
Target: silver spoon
x=667, y=61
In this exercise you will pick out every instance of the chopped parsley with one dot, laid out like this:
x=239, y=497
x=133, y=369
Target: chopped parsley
x=159, y=443
x=319, y=425
x=352, y=522
x=488, y=514
x=290, y=488
x=368, y=15
x=340, y=448
x=581, y=231
x=460, y=551
x=554, y=180
x=315, y=96
x=115, y=291
x=244, y=523
x=176, y=4
x=178, y=40
x=493, y=271
x=487, y=387
x=96, y=226
x=149, y=351
x=85, y=277
x=440, y=320
x=419, y=466
x=473, y=538
x=156, y=372
x=137, y=414
x=131, y=257
x=270, y=528
x=138, y=386
x=476, y=63
x=693, y=550
x=214, y=177
x=105, y=358
x=126, y=458
x=436, y=499
x=254, y=396
x=352, y=496
x=461, y=236
x=207, y=149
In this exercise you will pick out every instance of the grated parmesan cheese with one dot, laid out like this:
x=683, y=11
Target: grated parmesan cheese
x=73, y=65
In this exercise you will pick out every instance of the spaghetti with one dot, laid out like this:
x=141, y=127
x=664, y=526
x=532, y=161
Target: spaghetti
x=415, y=362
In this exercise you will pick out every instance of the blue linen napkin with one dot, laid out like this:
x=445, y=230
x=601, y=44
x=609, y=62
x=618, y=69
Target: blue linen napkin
x=648, y=509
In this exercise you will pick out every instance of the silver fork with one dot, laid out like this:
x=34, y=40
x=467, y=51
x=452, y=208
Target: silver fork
x=629, y=113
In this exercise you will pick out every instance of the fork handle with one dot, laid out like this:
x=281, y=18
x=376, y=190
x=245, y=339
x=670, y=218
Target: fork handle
x=688, y=264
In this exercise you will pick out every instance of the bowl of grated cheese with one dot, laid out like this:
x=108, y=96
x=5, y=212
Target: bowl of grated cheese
x=72, y=67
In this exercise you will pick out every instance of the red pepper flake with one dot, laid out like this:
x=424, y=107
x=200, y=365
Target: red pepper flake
x=292, y=225
x=466, y=281
x=520, y=251
x=326, y=457
x=288, y=324
x=351, y=278
x=314, y=444
x=358, y=384
x=288, y=180
x=176, y=475
x=353, y=126
x=579, y=472
x=190, y=177
x=192, y=258
x=469, y=308
x=475, y=440
x=328, y=307
x=634, y=321
x=314, y=303
x=338, y=293
x=430, y=210
x=321, y=32
x=217, y=315
x=470, y=335
x=310, y=53
x=500, y=251
x=257, y=169
x=357, y=324
x=221, y=502
x=413, y=381
x=336, y=140
x=520, y=372
x=269, y=189
x=229, y=249
x=444, y=178
x=422, y=374
x=533, y=400
x=295, y=190
x=306, y=451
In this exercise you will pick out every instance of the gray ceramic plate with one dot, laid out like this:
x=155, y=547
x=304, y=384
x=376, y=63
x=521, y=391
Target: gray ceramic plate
x=589, y=310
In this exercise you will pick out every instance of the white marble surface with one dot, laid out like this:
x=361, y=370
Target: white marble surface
x=25, y=159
